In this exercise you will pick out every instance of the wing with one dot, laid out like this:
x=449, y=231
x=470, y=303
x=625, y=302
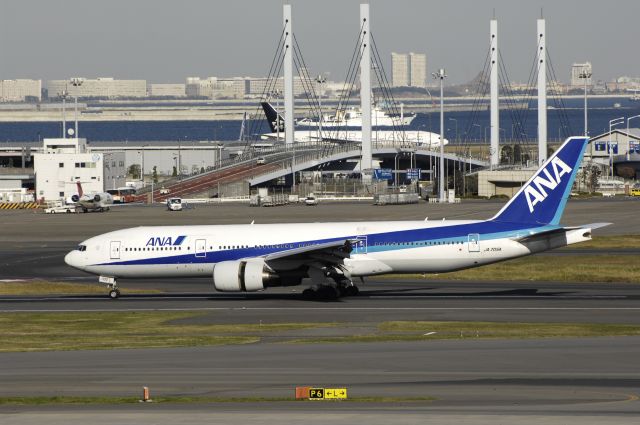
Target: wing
x=324, y=254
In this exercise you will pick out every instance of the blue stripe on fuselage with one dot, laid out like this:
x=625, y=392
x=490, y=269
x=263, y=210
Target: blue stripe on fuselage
x=376, y=242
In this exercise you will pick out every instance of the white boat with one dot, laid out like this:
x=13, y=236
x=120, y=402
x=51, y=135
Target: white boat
x=380, y=137
x=353, y=118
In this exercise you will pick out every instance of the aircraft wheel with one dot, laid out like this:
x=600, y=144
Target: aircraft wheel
x=329, y=293
x=114, y=294
x=351, y=291
x=308, y=294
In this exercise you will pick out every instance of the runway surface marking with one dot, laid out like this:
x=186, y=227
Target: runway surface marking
x=328, y=309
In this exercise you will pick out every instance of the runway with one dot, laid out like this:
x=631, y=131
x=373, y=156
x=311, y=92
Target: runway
x=573, y=380
x=388, y=299
x=567, y=381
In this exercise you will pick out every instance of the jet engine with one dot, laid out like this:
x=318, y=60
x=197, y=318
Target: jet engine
x=96, y=198
x=242, y=276
x=75, y=198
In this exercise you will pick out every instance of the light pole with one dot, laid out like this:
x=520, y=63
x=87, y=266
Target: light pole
x=76, y=82
x=614, y=122
x=441, y=75
x=456, y=122
x=628, y=136
x=585, y=74
x=64, y=95
x=276, y=93
x=479, y=130
x=629, y=119
x=320, y=79
x=142, y=163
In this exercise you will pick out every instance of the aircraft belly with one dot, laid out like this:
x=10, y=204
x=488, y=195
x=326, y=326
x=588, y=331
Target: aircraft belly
x=155, y=270
x=446, y=258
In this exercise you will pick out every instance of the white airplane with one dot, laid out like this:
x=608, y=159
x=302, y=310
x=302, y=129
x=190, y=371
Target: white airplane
x=94, y=201
x=254, y=257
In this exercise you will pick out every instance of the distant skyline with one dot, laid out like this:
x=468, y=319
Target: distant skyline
x=167, y=41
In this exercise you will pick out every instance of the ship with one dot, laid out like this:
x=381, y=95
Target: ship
x=352, y=117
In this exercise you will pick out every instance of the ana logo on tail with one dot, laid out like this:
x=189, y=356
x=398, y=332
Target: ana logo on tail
x=538, y=193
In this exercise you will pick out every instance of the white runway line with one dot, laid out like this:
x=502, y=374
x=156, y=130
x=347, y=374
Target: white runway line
x=327, y=309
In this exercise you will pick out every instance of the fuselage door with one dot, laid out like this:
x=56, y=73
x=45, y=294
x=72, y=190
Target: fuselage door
x=115, y=250
x=360, y=245
x=474, y=242
x=201, y=248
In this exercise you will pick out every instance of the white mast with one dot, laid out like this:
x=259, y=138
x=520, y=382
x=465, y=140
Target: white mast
x=365, y=89
x=288, y=75
x=495, y=106
x=542, y=93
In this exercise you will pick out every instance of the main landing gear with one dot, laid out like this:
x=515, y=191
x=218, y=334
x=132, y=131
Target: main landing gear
x=329, y=292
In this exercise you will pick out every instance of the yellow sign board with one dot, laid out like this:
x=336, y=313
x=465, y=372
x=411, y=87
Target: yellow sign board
x=328, y=393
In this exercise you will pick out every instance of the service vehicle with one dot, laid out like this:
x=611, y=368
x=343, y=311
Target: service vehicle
x=174, y=204
x=60, y=209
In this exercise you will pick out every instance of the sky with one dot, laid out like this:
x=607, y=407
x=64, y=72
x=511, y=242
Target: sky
x=167, y=40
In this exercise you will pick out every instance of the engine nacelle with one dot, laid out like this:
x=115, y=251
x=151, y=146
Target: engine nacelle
x=96, y=198
x=75, y=198
x=241, y=276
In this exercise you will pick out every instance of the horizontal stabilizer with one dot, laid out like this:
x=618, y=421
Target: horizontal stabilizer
x=593, y=226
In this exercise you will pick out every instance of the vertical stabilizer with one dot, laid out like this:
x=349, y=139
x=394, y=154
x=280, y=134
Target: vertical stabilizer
x=276, y=122
x=543, y=198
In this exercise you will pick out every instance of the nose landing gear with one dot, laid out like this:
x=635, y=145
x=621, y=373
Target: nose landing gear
x=112, y=286
x=114, y=292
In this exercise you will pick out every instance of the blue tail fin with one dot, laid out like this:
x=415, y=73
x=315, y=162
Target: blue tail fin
x=543, y=198
x=273, y=117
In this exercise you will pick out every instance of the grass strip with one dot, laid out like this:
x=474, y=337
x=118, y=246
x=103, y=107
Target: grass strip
x=42, y=287
x=44, y=400
x=561, y=268
x=416, y=331
x=111, y=330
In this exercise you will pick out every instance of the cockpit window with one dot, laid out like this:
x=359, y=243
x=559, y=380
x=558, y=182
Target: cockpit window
x=82, y=248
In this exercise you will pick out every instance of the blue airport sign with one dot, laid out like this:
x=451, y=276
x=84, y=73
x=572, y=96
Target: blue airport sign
x=413, y=173
x=383, y=174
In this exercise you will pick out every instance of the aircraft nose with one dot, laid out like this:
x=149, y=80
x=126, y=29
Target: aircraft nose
x=72, y=259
